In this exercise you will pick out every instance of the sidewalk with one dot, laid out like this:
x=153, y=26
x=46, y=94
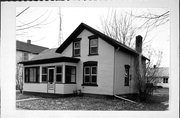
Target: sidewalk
x=27, y=99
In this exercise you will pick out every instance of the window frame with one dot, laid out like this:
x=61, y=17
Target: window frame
x=25, y=56
x=165, y=80
x=71, y=74
x=59, y=74
x=42, y=74
x=37, y=74
x=90, y=65
x=127, y=78
x=93, y=37
x=77, y=40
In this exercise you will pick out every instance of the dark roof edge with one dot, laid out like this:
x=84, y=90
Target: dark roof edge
x=50, y=60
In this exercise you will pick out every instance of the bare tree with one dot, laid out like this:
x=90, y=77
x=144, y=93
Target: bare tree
x=119, y=27
x=126, y=25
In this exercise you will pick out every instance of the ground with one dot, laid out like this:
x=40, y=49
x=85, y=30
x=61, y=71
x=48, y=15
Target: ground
x=159, y=101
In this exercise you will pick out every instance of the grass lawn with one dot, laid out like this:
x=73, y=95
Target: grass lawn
x=93, y=103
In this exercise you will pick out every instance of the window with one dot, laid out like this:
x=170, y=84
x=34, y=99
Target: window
x=90, y=73
x=25, y=56
x=93, y=46
x=44, y=74
x=59, y=74
x=32, y=75
x=165, y=80
x=70, y=74
x=126, y=76
x=76, y=48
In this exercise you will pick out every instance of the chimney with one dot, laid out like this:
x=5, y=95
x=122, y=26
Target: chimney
x=29, y=41
x=139, y=43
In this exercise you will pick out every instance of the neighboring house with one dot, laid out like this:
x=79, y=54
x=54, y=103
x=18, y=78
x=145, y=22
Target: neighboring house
x=24, y=52
x=160, y=76
x=88, y=61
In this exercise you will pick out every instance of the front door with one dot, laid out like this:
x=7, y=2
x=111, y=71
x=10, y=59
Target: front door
x=51, y=85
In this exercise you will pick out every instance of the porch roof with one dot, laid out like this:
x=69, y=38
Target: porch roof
x=51, y=60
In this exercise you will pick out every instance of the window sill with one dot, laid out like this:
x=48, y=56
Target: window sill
x=93, y=54
x=89, y=85
x=70, y=83
x=76, y=56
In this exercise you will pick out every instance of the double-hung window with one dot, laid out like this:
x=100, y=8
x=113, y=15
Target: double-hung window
x=90, y=73
x=165, y=80
x=77, y=48
x=93, y=45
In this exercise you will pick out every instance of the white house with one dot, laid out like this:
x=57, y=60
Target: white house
x=159, y=76
x=88, y=61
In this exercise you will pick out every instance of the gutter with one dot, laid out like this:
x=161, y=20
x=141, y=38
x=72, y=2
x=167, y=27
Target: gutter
x=125, y=99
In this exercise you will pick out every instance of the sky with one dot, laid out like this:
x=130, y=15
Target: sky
x=47, y=34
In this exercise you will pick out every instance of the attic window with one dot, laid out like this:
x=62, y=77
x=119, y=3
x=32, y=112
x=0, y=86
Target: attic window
x=93, y=45
x=76, y=48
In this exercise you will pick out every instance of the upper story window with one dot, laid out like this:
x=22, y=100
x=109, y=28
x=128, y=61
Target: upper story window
x=77, y=48
x=93, y=45
x=126, y=76
x=25, y=56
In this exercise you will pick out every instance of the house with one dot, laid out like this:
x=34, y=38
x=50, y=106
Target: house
x=88, y=61
x=24, y=52
x=159, y=76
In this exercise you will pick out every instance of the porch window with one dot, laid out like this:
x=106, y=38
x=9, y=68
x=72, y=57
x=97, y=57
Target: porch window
x=59, y=74
x=70, y=74
x=90, y=73
x=126, y=76
x=32, y=75
x=76, y=48
x=44, y=74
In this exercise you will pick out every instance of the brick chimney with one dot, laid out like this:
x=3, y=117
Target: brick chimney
x=139, y=43
x=29, y=41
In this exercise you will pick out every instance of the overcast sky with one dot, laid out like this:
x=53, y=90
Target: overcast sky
x=48, y=35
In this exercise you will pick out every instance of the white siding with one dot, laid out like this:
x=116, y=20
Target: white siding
x=35, y=87
x=122, y=59
x=105, y=64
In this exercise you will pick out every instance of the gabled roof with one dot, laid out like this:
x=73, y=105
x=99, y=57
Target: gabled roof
x=106, y=38
x=26, y=47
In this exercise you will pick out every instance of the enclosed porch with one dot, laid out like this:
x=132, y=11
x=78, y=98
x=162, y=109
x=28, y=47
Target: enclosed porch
x=47, y=76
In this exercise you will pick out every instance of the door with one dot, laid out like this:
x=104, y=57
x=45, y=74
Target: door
x=51, y=83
